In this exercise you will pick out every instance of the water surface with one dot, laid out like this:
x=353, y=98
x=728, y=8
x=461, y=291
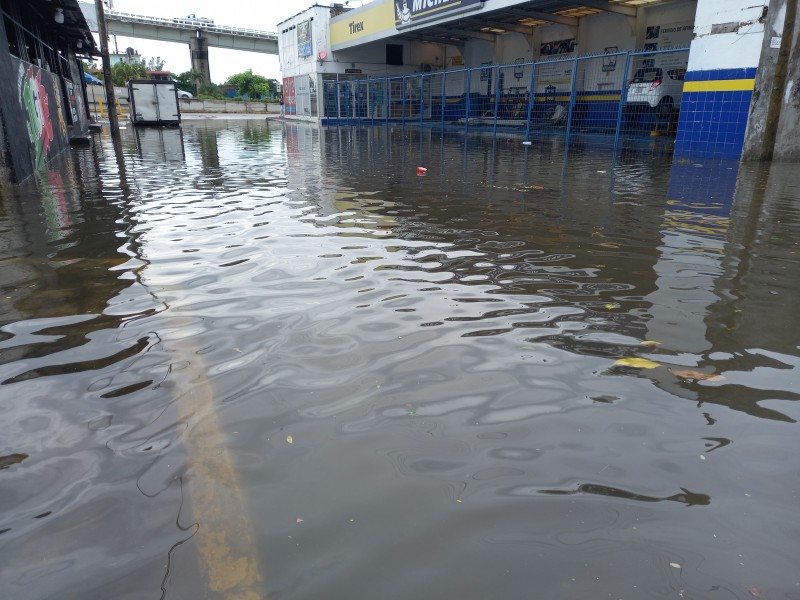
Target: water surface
x=263, y=360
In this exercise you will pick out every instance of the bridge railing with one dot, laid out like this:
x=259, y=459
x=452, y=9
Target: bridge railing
x=183, y=23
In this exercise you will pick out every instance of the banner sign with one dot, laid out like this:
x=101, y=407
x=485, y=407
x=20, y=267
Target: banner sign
x=412, y=12
x=289, y=99
x=304, y=39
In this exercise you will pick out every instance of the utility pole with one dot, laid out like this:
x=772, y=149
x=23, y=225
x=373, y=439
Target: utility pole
x=111, y=99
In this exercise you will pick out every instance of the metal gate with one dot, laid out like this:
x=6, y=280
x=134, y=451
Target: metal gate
x=613, y=95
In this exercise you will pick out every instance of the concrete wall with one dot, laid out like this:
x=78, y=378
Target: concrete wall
x=97, y=93
x=775, y=112
x=292, y=63
x=198, y=105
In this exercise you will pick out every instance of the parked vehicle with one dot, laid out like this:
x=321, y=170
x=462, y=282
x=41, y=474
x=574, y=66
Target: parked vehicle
x=184, y=94
x=91, y=79
x=153, y=102
x=657, y=88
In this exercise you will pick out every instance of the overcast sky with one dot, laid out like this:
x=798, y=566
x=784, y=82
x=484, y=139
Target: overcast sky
x=252, y=14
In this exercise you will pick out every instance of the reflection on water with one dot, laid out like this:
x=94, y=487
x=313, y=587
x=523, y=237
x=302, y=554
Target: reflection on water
x=268, y=360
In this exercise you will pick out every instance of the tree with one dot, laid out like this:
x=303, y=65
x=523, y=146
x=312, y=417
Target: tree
x=155, y=64
x=210, y=91
x=251, y=86
x=189, y=81
x=123, y=72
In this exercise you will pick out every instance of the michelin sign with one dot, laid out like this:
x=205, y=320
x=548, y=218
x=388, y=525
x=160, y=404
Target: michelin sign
x=412, y=12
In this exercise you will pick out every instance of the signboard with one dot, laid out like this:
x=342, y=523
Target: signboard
x=354, y=25
x=304, y=39
x=289, y=99
x=519, y=68
x=352, y=71
x=412, y=12
x=486, y=71
x=557, y=47
x=610, y=62
x=669, y=35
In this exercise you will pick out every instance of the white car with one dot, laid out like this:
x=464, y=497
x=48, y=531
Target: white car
x=656, y=88
x=183, y=94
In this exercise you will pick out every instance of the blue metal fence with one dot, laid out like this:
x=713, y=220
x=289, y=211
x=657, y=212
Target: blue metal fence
x=618, y=94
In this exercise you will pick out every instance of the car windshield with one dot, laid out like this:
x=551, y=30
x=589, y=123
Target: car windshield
x=646, y=75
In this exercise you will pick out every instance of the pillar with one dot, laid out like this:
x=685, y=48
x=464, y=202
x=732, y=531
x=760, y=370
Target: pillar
x=198, y=47
x=720, y=78
x=775, y=114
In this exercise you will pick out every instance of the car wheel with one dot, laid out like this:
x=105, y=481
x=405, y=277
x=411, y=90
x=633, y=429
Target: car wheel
x=665, y=107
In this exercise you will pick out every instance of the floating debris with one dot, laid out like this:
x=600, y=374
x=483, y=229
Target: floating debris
x=698, y=375
x=636, y=363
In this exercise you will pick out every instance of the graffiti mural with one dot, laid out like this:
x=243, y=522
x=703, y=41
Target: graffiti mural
x=289, y=100
x=60, y=111
x=76, y=105
x=35, y=113
x=36, y=102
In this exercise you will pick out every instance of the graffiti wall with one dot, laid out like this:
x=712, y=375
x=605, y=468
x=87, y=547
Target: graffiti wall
x=39, y=112
x=39, y=96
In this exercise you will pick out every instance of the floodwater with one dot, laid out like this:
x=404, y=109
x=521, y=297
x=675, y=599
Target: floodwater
x=264, y=360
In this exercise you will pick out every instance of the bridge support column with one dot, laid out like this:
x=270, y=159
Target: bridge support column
x=198, y=47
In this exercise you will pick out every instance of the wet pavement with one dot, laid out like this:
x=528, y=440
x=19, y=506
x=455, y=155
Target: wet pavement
x=258, y=359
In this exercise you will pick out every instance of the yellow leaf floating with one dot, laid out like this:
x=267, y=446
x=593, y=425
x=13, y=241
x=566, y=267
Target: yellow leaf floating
x=637, y=363
x=289, y=439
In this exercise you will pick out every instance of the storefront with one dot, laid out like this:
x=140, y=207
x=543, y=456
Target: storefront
x=621, y=69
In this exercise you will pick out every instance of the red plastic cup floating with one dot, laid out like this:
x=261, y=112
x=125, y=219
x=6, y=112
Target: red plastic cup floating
x=421, y=171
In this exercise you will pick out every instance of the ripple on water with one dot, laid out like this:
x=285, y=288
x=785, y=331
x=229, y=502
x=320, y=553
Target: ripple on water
x=412, y=375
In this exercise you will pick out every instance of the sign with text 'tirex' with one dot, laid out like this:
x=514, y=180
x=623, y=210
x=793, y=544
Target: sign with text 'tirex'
x=412, y=12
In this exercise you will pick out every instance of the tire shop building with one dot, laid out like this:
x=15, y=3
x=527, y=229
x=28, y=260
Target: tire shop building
x=699, y=74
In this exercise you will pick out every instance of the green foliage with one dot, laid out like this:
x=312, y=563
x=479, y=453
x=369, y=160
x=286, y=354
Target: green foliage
x=252, y=86
x=210, y=91
x=123, y=72
x=189, y=81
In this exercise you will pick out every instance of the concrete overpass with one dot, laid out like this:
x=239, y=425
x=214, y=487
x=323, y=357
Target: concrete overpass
x=198, y=34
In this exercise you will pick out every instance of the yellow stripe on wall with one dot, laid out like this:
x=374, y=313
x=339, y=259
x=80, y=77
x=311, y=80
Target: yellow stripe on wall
x=722, y=85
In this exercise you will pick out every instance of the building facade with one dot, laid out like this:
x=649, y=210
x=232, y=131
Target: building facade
x=43, y=102
x=681, y=70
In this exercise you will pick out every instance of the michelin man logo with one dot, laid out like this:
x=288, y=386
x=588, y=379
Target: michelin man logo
x=403, y=14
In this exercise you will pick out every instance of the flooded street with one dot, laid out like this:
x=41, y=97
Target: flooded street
x=266, y=360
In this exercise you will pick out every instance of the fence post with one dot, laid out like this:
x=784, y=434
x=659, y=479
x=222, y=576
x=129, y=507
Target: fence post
x=572, y=97
x=496, y=101
x=444, y=96
x=338, y=103
x=421, y=101
x=623, y=97
x=403, y=94
x=531, y=100
x=357, y=108
x=386, y=92
x=468, y=103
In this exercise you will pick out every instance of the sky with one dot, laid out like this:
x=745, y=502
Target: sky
x=252, y=14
